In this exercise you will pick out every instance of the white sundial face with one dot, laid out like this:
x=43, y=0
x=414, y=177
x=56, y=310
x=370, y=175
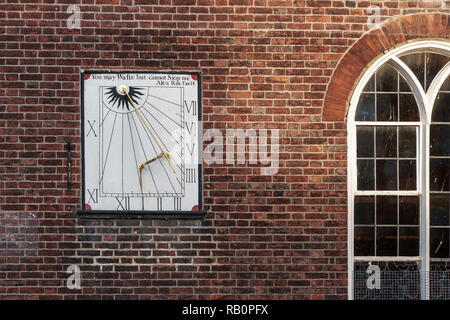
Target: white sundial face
x=135, y=144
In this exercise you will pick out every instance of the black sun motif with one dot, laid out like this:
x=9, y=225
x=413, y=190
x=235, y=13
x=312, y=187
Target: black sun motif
x=121, y=99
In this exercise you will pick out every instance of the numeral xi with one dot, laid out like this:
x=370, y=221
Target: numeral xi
x=92, y=195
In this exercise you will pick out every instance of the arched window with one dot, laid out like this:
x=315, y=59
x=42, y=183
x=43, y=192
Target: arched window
x=398, y=167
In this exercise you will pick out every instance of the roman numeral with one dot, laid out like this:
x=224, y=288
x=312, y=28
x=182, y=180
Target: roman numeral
x=123, y=203
x=91, y=128
x=159, y=204
x=190, y=175
x=191, y=150
x=192, y=107
x=93, y=195
x=191, y=127
x=176, y=203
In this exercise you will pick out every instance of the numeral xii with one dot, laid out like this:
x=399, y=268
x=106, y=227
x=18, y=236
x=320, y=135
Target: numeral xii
x=123, y=203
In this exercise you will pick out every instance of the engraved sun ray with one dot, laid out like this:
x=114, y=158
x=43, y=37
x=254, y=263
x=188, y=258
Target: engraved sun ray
x=114, y=96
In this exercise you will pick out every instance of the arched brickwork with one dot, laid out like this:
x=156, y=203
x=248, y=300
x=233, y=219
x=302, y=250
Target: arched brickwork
x=373, y=44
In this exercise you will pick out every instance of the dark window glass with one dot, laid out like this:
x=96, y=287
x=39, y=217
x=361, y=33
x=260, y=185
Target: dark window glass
x=387, y=241
x=440, y=139
x=366, y=107
x=370, y=86
x=364, y=241
x=439, y=167
x=395, y=228
x=365, y=140
x=416, y=62
x=439, y=170
x=408, y=241
x=409, y=110
x=386, y=174
x=441, y=109
x=439, y=246
x=407, y=142
x=386, y=142
x=404, y=86
x=386, y=210
x=407, y=175
x=387, y=79
x=439, y=209
x=446, y=85
x=365, y=175
x=364, y=209
x=434, y=63
x=387, y=107
x=409, y=210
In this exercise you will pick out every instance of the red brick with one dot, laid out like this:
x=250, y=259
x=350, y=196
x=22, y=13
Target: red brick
x=282, y=64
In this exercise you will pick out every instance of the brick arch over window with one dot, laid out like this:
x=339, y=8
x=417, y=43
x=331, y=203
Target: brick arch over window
x=372, y=45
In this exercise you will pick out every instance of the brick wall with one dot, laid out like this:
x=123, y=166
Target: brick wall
x=264, y=64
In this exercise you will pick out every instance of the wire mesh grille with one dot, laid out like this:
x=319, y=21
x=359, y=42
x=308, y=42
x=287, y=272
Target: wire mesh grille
x=439, y=280
x=401, y=281
x=397, y=281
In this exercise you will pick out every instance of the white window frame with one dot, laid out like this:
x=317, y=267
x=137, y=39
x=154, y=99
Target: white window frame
x=425, y=105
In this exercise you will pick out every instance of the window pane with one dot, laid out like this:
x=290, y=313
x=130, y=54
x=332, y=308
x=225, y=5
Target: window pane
x=364, y=241
x=409, y=209
x=446, y=85
x=439, y=209
x=408, y=108
x=370, y=86
x=439, y=243
x=366, y=107
x=387, y=79
x=386, y=210
x=365, y=175
x=386, y=142
x=416, y=62
x=364, y=209
x=434, y=63
x=441, y=110
x=386, y=241
x=439, y=169
x=440, y=140
x=409, y=241
x=404, y=86
x=364, y=137
x=386, y=174
x=407, y=174
x=407, y=142
x=387, y=107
